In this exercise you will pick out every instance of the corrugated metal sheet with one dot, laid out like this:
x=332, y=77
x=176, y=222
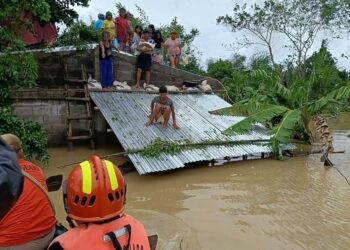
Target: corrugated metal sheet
x=127, y=114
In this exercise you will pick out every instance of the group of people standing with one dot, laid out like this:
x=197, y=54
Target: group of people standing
x=147, y=44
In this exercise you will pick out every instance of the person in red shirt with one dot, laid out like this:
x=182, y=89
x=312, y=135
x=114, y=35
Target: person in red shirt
x=30, y=223
x=122, y=28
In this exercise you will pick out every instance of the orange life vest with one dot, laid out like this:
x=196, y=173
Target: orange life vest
x=127, y=231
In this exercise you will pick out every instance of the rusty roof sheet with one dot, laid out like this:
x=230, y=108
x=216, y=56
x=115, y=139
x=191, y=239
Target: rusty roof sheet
x=127, y=113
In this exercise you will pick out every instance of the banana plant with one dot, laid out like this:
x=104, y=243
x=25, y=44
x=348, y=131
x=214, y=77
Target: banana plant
x=288, y=109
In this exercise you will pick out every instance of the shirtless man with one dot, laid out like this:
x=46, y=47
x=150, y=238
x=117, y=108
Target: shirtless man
x=161, y=108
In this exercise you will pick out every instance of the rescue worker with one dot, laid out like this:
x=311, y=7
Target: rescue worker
x=30, y=223
x=94, y=198
x=11, y=178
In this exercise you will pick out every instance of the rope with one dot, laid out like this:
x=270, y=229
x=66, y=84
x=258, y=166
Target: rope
x=102, y=157
x=346, y=179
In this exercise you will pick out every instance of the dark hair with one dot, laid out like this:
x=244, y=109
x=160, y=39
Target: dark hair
x=103, y=34
x=163, y=90
x=156, y=33
x=122, y=9
x=152, y=28
x=138, y=26
x=145, y=31
x=129, y=14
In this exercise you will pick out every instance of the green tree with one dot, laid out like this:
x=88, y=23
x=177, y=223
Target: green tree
x=300, y=21
x=327, y=76
x=78, y=34
x=63, y=10
x=18, y=68
x=235, y=74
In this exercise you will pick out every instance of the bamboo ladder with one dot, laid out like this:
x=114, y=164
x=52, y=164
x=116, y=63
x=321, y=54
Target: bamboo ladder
x=77, y=93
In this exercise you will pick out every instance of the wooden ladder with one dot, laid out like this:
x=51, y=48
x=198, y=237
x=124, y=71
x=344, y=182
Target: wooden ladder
x=77, y=93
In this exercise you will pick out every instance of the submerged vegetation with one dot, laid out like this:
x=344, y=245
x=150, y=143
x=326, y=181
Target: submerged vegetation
x=159, y=146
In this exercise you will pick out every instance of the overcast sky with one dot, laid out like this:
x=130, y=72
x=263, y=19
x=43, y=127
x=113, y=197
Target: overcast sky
x=202, y=14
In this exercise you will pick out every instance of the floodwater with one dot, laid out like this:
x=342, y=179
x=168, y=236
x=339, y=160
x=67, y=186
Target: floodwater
x=262, y=204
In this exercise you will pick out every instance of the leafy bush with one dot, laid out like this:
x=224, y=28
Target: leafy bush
x=79, y=35
x=33, y=136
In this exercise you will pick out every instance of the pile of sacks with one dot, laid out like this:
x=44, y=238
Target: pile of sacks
x=93, y=84
x=196, y=87
x=123, y=86
x=154, y=89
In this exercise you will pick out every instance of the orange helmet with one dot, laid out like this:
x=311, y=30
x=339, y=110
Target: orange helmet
x=94, y=191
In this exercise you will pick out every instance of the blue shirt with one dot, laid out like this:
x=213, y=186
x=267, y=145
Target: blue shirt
x=98, y=25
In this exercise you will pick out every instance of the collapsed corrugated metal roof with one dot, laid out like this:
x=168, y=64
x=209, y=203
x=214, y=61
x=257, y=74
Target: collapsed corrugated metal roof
x=127, y=113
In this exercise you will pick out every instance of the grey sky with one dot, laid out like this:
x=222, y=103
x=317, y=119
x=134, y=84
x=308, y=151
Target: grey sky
x=202, y=15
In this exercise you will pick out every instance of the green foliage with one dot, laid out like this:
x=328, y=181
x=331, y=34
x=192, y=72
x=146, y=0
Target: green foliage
x=285, y=129
x=18, y=69
x=33, y=136
x=79, y=35
x=62, y=10
x=333, y=97
x=241, y=77
x=326, y=76
x=11, y=10
x=298, y=21
x=158, y=146
x=285, y=101
x=261, y=116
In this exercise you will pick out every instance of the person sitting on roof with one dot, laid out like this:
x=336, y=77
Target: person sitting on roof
x=30, y=223
x=161, y=108
x=94, y=198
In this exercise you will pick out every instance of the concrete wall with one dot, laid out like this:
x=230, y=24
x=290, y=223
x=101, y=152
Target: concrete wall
x=51, y=68
x=125, y=70
x=51, y=114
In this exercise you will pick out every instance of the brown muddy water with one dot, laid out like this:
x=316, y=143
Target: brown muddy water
x=262, y=204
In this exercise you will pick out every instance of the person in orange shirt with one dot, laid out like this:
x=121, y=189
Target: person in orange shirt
x=30, y=223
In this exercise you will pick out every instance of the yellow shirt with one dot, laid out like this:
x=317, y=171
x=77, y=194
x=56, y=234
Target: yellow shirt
x=110, y=27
